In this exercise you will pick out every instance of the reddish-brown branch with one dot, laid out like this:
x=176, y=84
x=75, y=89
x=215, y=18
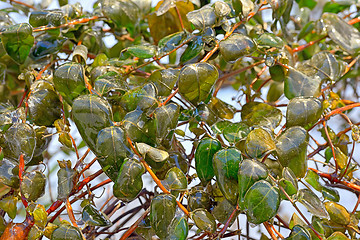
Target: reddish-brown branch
x=74, y=22
x=135, y=225
x=169, y=97
x=268, y=228
x=75, y=147
x=306, y=45
x=353, y=21
x=87, y=166
x=82, y=158
x=180, y=18
x=70, y=212
x=226, y=225
x=87, y=180
x=24, y=4
x=332, y=146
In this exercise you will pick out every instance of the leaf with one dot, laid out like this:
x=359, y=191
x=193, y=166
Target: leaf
x=203, y=220
x=312, y=203
x=93, y=217
x=17, y=41
x=142, y=97
x=196, y=81
x=261, y=114
x=202, y=18
x=270, y=40
x=221, y=9
x=299, y=233
x=306, y=3
x=91, y=114
x=337, y=213
x=262, y=202
x=66, y=232
x=48, y=45
x=338, y=236
x=276, y=90
x=221, y=109
x=67, y=178
x=164, y=80
x=162, y=212
x=170, y=42
x=278, y=7
x=154, y=154
x=223, y=210
x=122, y=13
x=258, y=143
x=236, y=46
x=199, y=199
x=175, y=180
x=342, y=33
x=69, y=81
x=298, y=84
x=33, y=184
x=112, y=149
x=313, y=179
x=226, y=167
x=277, y=73
x=334, y=7
x=243, y=6
x=178, y=229
x=142, y=51
x=43, y=18
x=9, y=173
x=291, y=150
x=8, y=204
x=235, y=132
x=204, y=158
x=250, y=171
x=80, y=54
x=288, y=181
x=195, y=46
x=330, y=194
x=303, y=111
x=165, y=120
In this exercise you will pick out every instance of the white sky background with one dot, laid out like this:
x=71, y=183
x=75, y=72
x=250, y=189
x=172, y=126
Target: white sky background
x=347, y=199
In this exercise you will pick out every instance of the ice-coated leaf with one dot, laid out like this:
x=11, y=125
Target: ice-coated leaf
x=93, y=217
x=91, y=114
x=226, y=167
x=326, y=66
x=154, y=154
x=122, y=13
x=141, y=97
x=175, y=180
x=43, y=18
x=235, y=132
x=313, y=179
x=261, y=114
x=223, y=210
x=288, y=181
x=17, y=41
x=337, y=213
x=170, y=42
x=195, y=46
x=342, y=33
x=276, y=90
x=164, y=80
x=69, y=80
x=221, y=109
x=262, y=202
x=142, y=51
x=203, y=220
x=243, y=6
x=269, y=40
x=202, y=18
x=166, y=119
x=199, y=199
x=112, y=149
x=8, y=204
x=278, y=7
x=221, y=9
x=162, y=212
x=291, y=150
x=259, y=142
x=338, y=236
x=80, y=53
x=196, y=81
x=298, y=84
x=9, y=173
x=178, y=229
x=129, y=183
x=66, y=232
x=250, y=171
x=48, y=45
x=277, y=73
x=312, y=203
x=204, y=158
x=66, y=180
x=236, y=46
x=299, y=233
x=33, y=185
x=303, y=111
x=330, y=194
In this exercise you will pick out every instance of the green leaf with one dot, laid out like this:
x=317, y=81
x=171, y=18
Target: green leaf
x=219, y=108
x=337, y=213
x=303, y=111
x=307, y=29
x=312, y=203
x=142, y=51
x=33, y=184
x=142, y=97
x=112, y=149
x=165, y=120
x=270, y=40
x=122, y=13
x=226, y=167
x=262, y=202
x=196, y=81
x=313, y=179
x=261, y=114
x=277, y=73
x=170, y=42
x=43, y=18
x=259, y=142
x=203, y=220
x=291, y=150
x=330, y=194
x=223, y=210
x=202, y=18
x=235, y=132
x=154, y=154
x=91, y=114
x=17, y=41
x=67, y=177
x=298, y=84
x=338, y=236
x=69, y=80
x=164, y=80
x=204, y=158
x=334, y=7
x=175, y=180
x=66, y=232
x=276, y=90
x=8, y=204
x=162, y=212
x=178, y=229
x=236, y=46
x=195, y=46
x=288, y=181
x=93, y=217
x=299, y=233
x=250, y=171
x=199, y=199
x=342, y=33
x=9, y=173
x=278, y=7
x=306, y=3
x=243, y=7
x=47, y=45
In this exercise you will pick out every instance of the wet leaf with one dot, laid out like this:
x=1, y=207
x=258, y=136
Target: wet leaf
x=164, y=80
x=178, y=229
x=69, y=81
x=66, y=232
x=261, y=114
x=9, y=173
x=202, y=18
x=342, y=33
x=193, y=49
x=337, y=213
x=112, y=149
x=170, y=42
x=291, y=150
x=175, y=180
x=199, y=199
x=162, y=212
x=46, y=46
x=299, y=233
x=204, y=158
x=142, y=97
x=204, y=220
x=270, y=40
x=91, y=114
x=196, y=81
x=80, y=54
x=250, y=171
x=17, y=41
x=8, y=204
x=94, y=217
x=312, y=203
x=259, y=142
x=297, y=84
x=33, y=185
x=166, y=119
x=66, y=180
x=303, y=111
x=226, y=167
x=122, y=13
x=235, y=132
x=262, y=202
x=236, y=46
